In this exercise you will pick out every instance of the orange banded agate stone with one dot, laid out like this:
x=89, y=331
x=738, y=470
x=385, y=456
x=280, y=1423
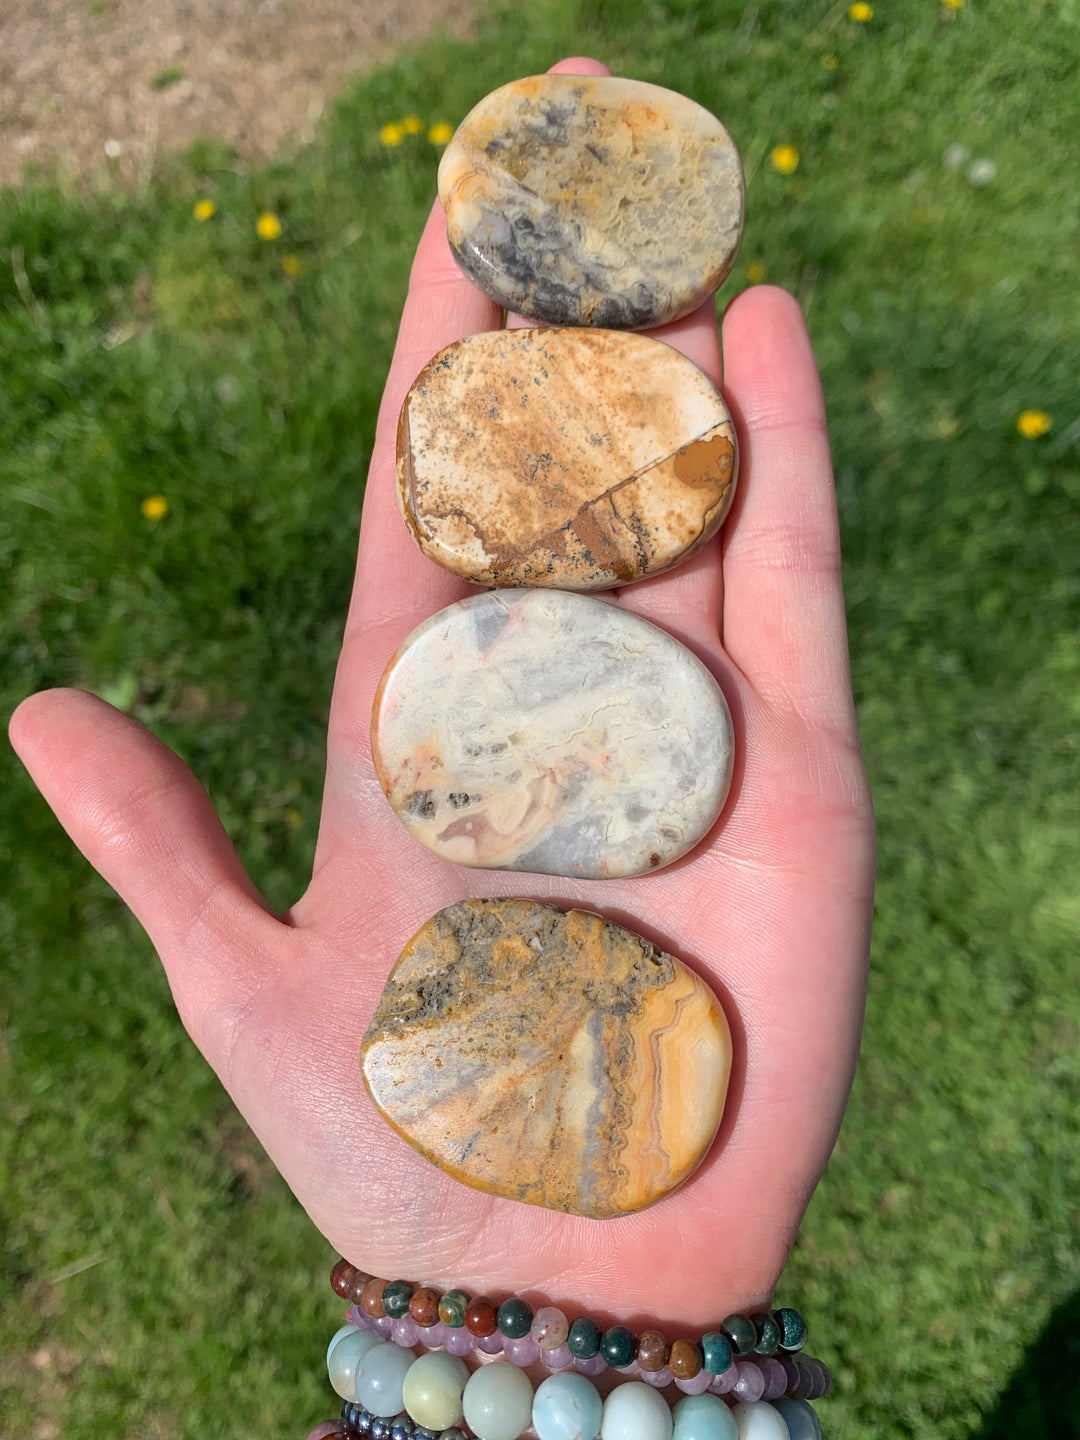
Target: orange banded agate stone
x=578, y=459
x=549, y=1056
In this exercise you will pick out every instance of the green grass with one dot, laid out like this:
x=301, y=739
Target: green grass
x=156, y=1278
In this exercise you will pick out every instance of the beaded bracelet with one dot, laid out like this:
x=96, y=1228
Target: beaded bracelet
x=525, y=1336
x=387, y=1388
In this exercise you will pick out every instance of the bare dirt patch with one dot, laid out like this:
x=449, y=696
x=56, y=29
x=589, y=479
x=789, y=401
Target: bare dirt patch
x=102, y=85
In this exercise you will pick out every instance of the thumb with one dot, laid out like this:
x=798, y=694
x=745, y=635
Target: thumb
x=147, y=826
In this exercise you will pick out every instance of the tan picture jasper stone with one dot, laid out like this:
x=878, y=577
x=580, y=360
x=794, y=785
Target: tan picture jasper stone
x=549, y=1056
x=581, y=200
x=578, y=459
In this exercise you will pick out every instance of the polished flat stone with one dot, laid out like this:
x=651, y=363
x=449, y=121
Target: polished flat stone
x=546, y=731
x=549, y=1056
x=579, y=459
x=581, y=200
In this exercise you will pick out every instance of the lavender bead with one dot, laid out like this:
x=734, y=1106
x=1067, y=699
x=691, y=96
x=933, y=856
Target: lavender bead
x=659, y=1379
x=522, y=1352
x=749, y=1382
x=775, y=1379
x=460, y=1341
x=405, y=1332
x=491, y=1344
x=434, y=1336
x=594, y=1365
x=725, y=1383
x=557, y=1359
x=383, y=1326
x=696, y=1384
x=355, y=1316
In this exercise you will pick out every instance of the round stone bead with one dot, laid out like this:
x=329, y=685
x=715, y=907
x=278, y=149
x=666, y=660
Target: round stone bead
x=703, y=1417
x=800, y=1418
x=396, y=1296
x=405, y=1331
x=590, y=1365
x=341, y=1277
x=652, y=1350
x=452, y=1308
x=740, y=1330
x=759, y=1421
x=433, y=1389
x=723, y=1384
x=498, y=1401
x=618, y=1346
x=584, y=1338
x=716, y=1352
x=481, y=1317
x=749, y=1381
x=424, y=1307
x=560, y=1358
x=660, y=1379
x=338, y=1335
x=636, y=1411
x=343, y=1360
x=550, y=1328
x=523, y=1352
x=768, y=1334
x=695, y=1384
x=454, y=1433
x=514, y=1318
x=684, y=1362
x=491, y=1344
x=402, y=1428
x=792, y=1329
x=460, y=1341
x=380, y=1427
x=380, y=1376
x=567, y=1407
x=384, y=1326
x=371, y=1299
x=774, y=1376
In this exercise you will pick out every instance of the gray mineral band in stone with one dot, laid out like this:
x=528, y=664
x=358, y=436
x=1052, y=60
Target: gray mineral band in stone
x=577, y=459
x=581, y=200
x=546, y=731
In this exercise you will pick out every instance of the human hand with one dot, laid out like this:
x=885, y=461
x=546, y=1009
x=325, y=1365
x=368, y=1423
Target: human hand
x=773, y=910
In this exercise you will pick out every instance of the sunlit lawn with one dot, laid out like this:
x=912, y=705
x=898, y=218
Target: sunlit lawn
x=188, y=383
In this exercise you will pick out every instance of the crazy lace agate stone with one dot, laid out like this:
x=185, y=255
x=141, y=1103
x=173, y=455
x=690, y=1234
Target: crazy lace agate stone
x=549, y=1056
x=581, y=200
x=546, y=731
x=579, y=459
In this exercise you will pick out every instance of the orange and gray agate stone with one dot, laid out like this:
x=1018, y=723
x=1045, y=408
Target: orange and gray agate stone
x=579, y=459
x=549, y=1056
x=546, y=731
x=581, y=200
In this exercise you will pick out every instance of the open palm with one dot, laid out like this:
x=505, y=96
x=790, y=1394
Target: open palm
x=773, y=909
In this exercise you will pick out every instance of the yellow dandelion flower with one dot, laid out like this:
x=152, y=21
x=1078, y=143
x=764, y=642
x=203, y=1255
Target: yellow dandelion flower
x=290, y=264
x=440, y=133
x=861, y=12
x=755, y=272
x=154, y=507
x=204, y=209
x=953, y=4
x=412, y=125
x=293, y=818
x=268, y=226
x=392, y=134
x=830, y=62
x=1033, y=423
x=785, y=158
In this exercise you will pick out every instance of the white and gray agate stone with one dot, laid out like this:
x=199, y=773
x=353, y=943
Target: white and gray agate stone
x=552, y=732
x=593, y=200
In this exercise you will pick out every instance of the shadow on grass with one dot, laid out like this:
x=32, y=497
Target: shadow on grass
x=1043, y=1396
